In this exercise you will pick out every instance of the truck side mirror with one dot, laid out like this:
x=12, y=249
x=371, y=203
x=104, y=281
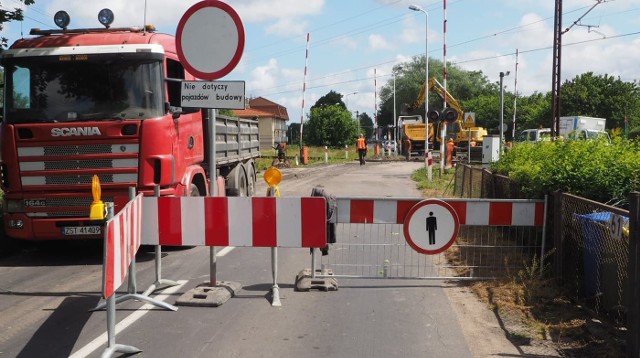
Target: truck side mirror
x=176, y=112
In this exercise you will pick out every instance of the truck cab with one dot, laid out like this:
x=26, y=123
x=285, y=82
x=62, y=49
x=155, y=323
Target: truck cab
x=535, y=135
x=104, y=102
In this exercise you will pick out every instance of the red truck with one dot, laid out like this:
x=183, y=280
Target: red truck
x=105, y=101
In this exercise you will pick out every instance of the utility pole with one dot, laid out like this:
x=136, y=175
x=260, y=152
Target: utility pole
x=555, y=85
x=557, y=61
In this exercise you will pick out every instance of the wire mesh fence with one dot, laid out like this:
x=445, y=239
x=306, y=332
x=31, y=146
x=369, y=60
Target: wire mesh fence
x=595, y=254
x=478, y=182
x=479, y=252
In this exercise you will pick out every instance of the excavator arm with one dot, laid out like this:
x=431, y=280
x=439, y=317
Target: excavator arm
x=437, y=87
x=463, y=129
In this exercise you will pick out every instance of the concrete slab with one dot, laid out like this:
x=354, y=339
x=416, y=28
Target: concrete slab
x=304, y=281
x=204, y=295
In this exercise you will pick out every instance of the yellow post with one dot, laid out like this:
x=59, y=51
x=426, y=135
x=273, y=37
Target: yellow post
x=97, y=206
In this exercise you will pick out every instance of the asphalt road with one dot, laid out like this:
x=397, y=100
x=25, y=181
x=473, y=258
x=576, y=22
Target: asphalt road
x=46, y=291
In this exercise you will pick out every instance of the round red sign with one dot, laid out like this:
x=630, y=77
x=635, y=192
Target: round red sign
x=431, y=226
x=210, y=39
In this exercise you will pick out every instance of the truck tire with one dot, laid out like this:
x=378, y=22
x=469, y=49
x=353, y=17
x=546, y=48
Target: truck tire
x=237, y=181
x=250, y=167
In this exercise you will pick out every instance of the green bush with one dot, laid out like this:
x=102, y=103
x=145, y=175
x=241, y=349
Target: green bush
x=601, y=171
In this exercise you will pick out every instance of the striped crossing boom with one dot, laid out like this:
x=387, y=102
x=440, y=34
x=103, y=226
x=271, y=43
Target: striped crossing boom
x=479, y=212
x=123, y=236
x=235, y=221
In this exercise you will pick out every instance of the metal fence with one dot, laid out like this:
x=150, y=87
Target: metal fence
x=592, y=243
x=479, y=252
x=478, y=182
x=596, y=250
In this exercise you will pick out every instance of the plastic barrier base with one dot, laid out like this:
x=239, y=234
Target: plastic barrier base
x=304, y=281
x=207, y=296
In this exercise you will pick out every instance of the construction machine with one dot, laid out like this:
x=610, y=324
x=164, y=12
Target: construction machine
x=412, y=132
x=460, y=126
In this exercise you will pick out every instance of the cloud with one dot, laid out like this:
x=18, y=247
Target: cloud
x=345, y=43
x=378, y=42
x=264, y=77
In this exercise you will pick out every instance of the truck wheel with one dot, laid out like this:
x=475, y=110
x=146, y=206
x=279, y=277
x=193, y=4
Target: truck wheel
x=251, y=177
x=237, y=179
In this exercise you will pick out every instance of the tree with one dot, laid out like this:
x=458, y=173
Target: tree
x=7, y=15
x=294, y=133
x=366, y=125
x=462, y=85
x=602, y=96
x=330, y=125
x=330, y=99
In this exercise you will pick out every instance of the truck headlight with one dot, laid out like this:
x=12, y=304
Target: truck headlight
x=16, y=224
x=15, y=206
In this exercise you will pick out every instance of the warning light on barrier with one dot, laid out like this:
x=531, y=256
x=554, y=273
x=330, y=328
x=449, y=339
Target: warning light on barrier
x=272, y=177
x=97, y=206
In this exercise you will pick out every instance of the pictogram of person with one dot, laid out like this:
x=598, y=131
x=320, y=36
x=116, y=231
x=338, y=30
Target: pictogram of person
x=432, y=226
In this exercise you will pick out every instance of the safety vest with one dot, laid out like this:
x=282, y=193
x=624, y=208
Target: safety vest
x=360, y=144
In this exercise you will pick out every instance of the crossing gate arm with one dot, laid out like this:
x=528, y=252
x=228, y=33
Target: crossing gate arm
x=480, y=212
x=235, y=221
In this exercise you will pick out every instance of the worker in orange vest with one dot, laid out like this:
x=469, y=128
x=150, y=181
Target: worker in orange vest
x=361, y=145
x=450, y=149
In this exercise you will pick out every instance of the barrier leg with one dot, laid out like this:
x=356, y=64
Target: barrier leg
x=112, y=347
x=313, y=263
x=275, y=302
x=213, y=266
x=159, y=280
x=132, y=285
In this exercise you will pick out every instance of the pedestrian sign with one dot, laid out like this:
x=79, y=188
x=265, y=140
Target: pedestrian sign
x=431, y=226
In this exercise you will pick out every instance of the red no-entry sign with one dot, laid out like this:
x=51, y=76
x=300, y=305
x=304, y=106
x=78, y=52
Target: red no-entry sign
x=431, y=226
x=210, y=39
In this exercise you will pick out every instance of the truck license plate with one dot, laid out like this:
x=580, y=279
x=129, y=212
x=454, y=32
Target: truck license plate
x=82, y=230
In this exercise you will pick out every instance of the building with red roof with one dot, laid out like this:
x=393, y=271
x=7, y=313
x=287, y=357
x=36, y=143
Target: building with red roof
x=272, y=120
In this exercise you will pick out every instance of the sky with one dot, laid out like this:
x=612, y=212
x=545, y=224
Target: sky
x=354, y=44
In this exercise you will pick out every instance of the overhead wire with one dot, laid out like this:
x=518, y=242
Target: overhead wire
x=464, y=61
x=510, y=30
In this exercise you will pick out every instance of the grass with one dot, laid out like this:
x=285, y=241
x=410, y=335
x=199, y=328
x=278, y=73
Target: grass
x=439, y=186
x=316, y=156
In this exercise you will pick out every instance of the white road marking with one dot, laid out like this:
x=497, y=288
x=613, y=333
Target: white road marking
x=101, y=341
x=225, y=251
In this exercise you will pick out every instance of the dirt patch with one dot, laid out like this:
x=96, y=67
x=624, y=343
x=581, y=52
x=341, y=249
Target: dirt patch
x=548, y=319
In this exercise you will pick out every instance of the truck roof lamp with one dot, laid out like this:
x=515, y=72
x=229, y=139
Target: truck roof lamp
x=105, y=16
x=62, y=19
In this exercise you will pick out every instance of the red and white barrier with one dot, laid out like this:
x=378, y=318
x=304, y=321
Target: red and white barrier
x=235, y=221
x=483, y=212
x=123, y=235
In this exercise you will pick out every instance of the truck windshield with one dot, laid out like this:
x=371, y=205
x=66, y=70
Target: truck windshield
x=592, y=134
x=82, y=88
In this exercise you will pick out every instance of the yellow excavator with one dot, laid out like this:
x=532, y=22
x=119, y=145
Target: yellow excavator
x=459, y=127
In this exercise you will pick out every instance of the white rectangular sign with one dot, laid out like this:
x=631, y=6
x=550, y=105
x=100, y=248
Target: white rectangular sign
x=213, y=94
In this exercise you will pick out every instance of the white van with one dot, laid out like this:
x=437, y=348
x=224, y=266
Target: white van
x=535, y=135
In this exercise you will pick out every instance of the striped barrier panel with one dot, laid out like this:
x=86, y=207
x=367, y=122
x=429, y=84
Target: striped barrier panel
x=123, y=235
x=235, y=221
x=481, y=212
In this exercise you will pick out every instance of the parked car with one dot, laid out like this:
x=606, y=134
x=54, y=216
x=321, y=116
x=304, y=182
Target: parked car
x=390, y=145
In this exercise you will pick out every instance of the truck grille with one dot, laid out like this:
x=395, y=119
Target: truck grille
x=82, y=204
x=120, y=161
